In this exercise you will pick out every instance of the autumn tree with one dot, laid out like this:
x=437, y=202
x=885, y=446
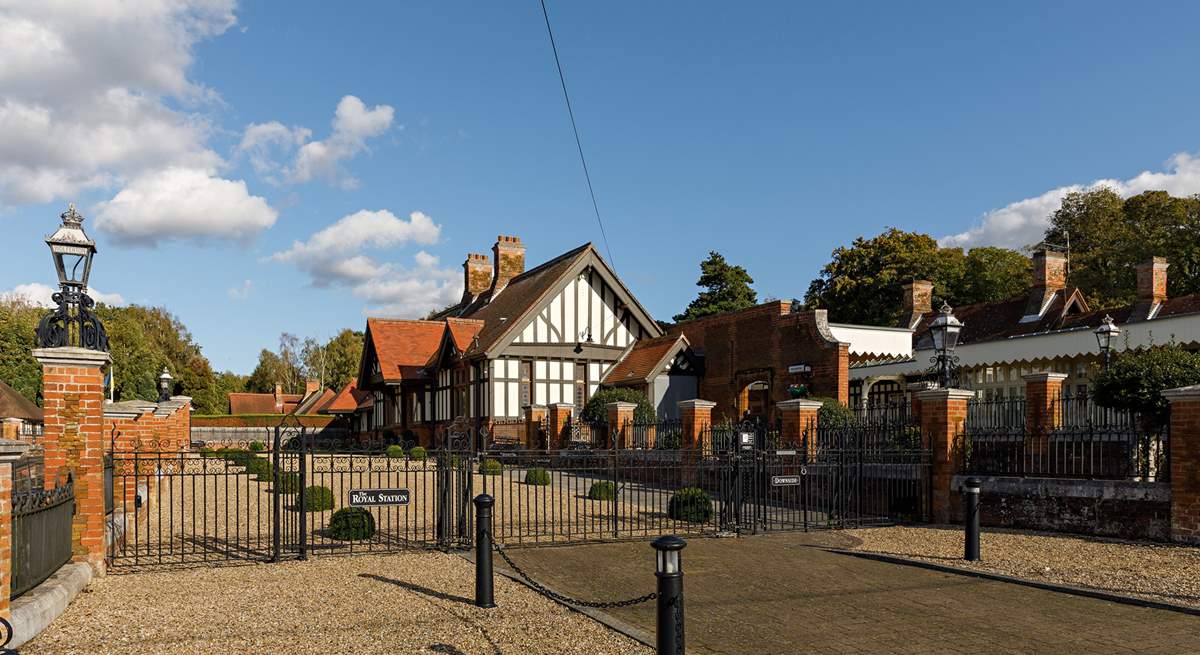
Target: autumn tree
x=726, y=288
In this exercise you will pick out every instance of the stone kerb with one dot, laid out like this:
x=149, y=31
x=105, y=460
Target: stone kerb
x=943, y=414
x=1184, y=456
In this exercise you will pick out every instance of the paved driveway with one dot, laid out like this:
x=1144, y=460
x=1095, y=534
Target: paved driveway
x=778, y=594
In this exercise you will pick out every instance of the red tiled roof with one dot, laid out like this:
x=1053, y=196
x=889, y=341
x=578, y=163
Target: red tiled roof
x=14, y=405
x=261, y=403
x=991, y=321
x=404, y=347
x=643, y=360
x=462, y=331
x=315, y=402
x=346, y=400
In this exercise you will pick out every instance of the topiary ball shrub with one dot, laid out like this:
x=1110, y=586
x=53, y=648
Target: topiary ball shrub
x=318, y=499
x=691, y=504
x=490, y=467
x=603, y=490
x=394, y=452
x=257, y=446
x=351, y=524
x=417, y=454
x=289, y=483
x=538, y=477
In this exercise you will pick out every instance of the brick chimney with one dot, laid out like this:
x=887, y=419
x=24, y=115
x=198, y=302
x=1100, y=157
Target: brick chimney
x=918, y=301
x=477, y=275
x=1049, y=277
x=279, y=397
x=509, y=254
x=310, y=386
x=1151, y=288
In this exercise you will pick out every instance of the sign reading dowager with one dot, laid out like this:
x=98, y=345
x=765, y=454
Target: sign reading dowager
x=367, y=497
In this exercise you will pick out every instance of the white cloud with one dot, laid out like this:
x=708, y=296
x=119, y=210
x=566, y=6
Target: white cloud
x=240, y=292
x=36, y=293
x=353, y=124
x=1024, y=222
x=183, y=203
x=335, y=257
x=85, y=89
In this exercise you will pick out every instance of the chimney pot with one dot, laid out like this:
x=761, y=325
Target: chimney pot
x=1152, y=280
x=509, y=255
x=918, y=301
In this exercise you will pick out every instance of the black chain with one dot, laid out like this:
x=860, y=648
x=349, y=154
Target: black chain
x=538, y=587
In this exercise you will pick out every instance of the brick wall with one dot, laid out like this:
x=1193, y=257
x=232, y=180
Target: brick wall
x=6, y=520
x=759, y=344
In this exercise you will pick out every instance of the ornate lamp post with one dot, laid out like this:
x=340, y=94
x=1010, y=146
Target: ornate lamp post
x=944, y=331
x=164, y=386
x=1105, y=335
x=73, y=323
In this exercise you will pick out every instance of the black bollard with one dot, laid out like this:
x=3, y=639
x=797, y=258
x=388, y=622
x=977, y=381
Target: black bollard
x=669, y=570
x=483, y=551
x=971, y=519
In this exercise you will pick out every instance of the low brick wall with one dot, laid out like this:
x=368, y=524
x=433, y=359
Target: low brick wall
x=1110, y=508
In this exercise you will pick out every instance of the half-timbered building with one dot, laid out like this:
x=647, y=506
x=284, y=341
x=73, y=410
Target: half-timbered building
x=551, y=334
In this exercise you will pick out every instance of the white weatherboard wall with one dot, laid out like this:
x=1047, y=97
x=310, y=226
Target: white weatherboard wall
x=1082, y=341
x=879, y=341
x=585, y=306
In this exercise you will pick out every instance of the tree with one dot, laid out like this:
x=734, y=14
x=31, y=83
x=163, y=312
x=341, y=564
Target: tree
x=343, y=354
x=1136, y=379
x=270, y=371
x=726, y=289
x=18, y=326
x=993, y=274
x=864, y=283
x=1109, y=237
x=595, y=412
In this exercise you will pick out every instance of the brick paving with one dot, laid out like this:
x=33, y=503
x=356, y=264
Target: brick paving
x=778, y=594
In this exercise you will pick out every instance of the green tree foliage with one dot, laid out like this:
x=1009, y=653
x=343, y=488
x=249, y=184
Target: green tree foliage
x=863, y=283
x=595, y=412
x=18, y=325
x=335, y=362
x=1109, y=236
x=1135, y=379
x=726, y=289
x=270, y=370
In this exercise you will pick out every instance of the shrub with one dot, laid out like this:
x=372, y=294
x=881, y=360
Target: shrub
x=237, y=456
x=351, y=524
x=264, y=472
x=289, y=483
x=490, y=467
x=257, y=446
x=256, y=465
x=1135, y=380
x=207, y=452
x=602, y=490
x=318, y=499
x=537, y=476
x=833, y=413
x=594, y=411
x=394, y=452
x=417, y=454
x=691, y=504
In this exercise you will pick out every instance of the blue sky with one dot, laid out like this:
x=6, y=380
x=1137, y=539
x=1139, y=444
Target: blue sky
x=210, y=144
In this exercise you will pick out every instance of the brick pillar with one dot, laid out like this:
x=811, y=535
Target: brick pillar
x=1184, y=456
x=73, y=392
x=695, y=417
x=10, y=451
x=560, y=418
x=799, y=424
x=620, y=420
x=943, y=412
x=535, y=420
x=1043, y=412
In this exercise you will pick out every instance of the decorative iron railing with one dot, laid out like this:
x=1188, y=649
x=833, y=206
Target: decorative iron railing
x=41, y=535
x=1068, y=437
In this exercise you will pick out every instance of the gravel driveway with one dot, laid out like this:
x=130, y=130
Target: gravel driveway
x=1157, y=571
x=406, y=603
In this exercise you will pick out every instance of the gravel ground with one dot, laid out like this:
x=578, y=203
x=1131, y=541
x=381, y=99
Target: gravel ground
x=1157, y=571
x=407, y=603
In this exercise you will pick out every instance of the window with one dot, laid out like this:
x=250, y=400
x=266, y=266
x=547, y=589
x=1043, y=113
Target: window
x=377, y=410
x=526, y=382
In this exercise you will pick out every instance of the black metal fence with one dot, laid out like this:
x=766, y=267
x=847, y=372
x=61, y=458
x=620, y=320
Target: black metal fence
x=1073, y=437
x=41, y=535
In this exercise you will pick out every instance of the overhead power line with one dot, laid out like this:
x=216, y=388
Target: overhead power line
x=578, y=143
